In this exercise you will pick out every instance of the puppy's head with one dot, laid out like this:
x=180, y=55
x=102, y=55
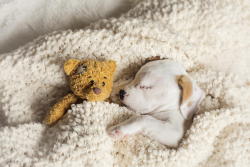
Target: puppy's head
x=155, y=90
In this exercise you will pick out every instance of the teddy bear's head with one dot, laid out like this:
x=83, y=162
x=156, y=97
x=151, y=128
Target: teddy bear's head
x=90, y=80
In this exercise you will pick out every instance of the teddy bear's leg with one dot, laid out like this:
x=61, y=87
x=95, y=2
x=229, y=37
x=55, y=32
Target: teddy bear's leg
x=58, y=109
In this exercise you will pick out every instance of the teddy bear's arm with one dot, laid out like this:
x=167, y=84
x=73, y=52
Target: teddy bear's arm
x=58, y=109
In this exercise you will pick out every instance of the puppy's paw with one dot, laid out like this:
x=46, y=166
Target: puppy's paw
x=116, y=132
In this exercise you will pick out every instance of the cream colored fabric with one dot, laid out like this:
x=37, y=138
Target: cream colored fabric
x=210, y=38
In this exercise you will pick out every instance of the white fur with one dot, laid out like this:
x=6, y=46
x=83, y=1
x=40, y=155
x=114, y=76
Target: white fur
x=23, y=20
x=155, y=96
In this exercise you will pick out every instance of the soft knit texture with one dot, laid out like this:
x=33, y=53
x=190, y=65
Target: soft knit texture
x=22, y=21
x=203, y=35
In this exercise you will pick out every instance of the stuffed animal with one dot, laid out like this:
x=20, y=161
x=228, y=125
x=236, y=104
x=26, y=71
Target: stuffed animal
x=89, y=80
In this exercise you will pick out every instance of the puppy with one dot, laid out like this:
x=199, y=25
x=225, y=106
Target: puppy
x=164, y=99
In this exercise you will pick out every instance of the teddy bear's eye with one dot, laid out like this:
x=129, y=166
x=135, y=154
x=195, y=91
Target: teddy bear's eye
x=81, y=69
x=92, y=82
x=103, y=83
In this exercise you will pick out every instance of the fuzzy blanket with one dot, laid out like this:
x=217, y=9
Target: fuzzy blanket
x=22, y=21
x=196, y=33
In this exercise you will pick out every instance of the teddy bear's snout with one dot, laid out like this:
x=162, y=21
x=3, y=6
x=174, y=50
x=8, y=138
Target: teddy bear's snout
x=97, y=90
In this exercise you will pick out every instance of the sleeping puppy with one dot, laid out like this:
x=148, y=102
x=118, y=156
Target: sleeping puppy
x=164, y=99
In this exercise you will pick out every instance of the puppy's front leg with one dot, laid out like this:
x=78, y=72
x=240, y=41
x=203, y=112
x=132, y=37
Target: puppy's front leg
x=130, y=126
x=164, y=132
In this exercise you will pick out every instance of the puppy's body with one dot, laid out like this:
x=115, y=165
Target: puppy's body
x=163, y=98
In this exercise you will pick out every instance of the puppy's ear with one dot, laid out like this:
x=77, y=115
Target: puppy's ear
x=70, y=65
x=149, y=59
x=154, y=58
x=191, y=96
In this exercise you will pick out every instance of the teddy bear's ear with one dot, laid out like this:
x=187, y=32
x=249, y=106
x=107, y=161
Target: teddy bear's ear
x=70, y=65
x=112, y=65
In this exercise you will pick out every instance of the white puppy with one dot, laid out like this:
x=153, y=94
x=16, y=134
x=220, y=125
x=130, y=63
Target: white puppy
x=164, y=99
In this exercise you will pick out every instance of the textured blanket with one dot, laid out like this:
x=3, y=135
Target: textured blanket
x=203, y=35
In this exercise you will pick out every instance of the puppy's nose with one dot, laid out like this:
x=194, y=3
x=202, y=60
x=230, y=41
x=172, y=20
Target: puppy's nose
x=97, y=90
x=121, y=94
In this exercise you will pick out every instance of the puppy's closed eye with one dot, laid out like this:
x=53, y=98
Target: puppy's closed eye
x=141, y=86
x=145, y=87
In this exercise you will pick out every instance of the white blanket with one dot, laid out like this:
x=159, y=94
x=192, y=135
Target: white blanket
x=196, y=33
x=24, y=20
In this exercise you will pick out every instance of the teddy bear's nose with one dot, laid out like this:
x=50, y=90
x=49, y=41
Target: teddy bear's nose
x=97, y=90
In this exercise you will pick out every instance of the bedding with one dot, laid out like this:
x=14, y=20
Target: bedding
x=210, y=38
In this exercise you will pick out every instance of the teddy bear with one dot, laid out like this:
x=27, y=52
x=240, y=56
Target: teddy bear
x=89, y=80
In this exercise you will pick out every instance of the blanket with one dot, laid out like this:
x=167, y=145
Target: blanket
x=21, y=21
x=196, y=33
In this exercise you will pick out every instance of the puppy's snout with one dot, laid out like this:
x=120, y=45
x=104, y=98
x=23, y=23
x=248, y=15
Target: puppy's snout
x=122, y=94
x=97, y=90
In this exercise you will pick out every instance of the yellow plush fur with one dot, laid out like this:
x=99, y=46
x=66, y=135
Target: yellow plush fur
x=89, y=80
